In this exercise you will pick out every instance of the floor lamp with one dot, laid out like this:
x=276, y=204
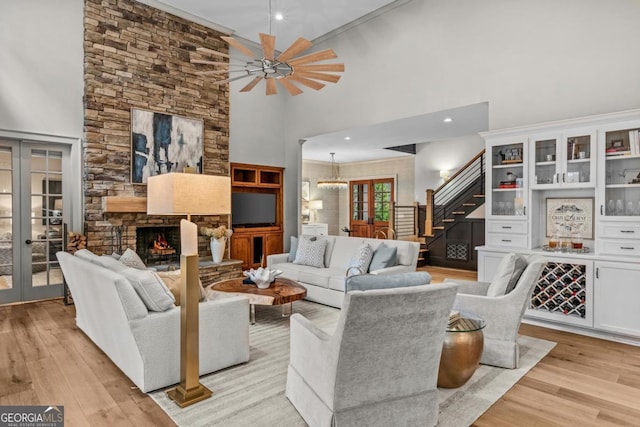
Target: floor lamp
x=189, y=194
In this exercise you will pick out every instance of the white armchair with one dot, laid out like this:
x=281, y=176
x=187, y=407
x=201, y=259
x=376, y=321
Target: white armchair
x=503, y=312
x=379, y=367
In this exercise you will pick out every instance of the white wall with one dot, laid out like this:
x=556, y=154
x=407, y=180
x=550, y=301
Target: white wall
x=41, y=66
x=432, y=157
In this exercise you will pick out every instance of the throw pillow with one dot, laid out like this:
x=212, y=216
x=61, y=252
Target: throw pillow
x=173, y=281
x=150, y=288
x=310, y=252
x=367, y=282
x=359, y=263
x=509, y=271
x=86, y=255
x=383, y=257
x=293, y=248
x=131, y=259
x=110, y=263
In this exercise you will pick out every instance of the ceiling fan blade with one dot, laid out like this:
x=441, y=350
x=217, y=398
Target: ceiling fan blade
x=321, y=67
x=271, y=87
x=298, y=46
x=290, y=87
x=251, y=84
x=318, y=76
x=212, y=52
x=313, y=57
x=242, y=48
x=268, y=45
x=307, y=82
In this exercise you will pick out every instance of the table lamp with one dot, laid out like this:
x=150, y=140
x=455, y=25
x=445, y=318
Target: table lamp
x=189, y=194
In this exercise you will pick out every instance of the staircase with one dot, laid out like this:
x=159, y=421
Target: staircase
x=454, y=222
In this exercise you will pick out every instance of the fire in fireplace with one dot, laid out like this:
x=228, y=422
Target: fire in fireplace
x=157, y=245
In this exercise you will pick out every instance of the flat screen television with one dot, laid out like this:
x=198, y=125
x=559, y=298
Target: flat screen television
x=253, y=209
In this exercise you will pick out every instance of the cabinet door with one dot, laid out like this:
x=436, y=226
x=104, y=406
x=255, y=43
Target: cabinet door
x=507, y=179
x=272, y=244
x=578, y=159
x=546, y=161
x=616, y=293
x=241, y=249
x=621, y=198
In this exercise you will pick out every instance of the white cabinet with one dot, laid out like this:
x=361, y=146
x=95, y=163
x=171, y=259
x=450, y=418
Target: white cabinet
x=506, y=194
x=315, y=229
x=563, y=160
x=616, y=296
x=569, y=163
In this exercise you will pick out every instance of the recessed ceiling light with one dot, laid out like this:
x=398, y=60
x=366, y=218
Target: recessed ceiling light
x=347, y=138
x=279, y=16
x=447, y=120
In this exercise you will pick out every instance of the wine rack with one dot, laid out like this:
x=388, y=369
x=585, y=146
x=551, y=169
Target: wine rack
x=561, y=288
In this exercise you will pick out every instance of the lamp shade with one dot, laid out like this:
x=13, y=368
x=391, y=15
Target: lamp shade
x=188, y=194
x=315, y=204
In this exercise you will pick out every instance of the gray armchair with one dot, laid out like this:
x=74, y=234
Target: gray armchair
x=503, y=313
x=380, y=366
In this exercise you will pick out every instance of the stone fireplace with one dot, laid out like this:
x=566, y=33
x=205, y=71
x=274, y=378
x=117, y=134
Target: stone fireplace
x=136, y=56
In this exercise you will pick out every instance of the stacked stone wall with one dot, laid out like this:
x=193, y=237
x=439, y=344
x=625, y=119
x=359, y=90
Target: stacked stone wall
x=137, y=56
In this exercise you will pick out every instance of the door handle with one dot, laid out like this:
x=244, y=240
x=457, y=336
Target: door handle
x=28, y=241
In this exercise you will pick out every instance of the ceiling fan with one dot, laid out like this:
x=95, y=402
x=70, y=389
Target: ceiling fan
x=286, y=68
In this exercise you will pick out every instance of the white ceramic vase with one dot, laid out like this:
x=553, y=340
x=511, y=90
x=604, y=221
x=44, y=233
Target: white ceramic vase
x=217, y=248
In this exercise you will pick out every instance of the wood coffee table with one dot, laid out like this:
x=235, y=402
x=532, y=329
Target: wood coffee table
x=281, y=292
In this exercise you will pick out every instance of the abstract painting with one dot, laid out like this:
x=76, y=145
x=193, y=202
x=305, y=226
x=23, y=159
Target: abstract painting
x=163, y=143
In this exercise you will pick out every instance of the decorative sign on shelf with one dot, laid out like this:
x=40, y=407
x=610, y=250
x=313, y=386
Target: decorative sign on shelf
x=570, y=216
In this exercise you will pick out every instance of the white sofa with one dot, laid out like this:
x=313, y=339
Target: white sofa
x=326, y=285
x=144, y=344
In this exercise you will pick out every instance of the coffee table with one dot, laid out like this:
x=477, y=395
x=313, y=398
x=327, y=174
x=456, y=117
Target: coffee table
x=281, y=292
x=461, y=351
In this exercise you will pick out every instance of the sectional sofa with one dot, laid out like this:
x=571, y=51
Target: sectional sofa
x=326, y=284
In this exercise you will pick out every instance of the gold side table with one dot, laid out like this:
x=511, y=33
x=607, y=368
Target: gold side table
x=461, y=351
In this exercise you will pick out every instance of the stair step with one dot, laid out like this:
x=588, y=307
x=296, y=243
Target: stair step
x=469, y=204
x=478, y=196
x=423, y=250
x=459, y=213
x=438, y=227
x=449, y=220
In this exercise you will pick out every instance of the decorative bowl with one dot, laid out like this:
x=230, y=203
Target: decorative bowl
x=262, y=277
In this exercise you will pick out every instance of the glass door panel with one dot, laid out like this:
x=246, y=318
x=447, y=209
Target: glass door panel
x=578, y=157
x=46, y=211
x=622, y=175
x=546, y=162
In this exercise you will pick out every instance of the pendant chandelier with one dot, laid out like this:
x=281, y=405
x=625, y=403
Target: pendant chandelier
x=335, y=182
x=286, y=68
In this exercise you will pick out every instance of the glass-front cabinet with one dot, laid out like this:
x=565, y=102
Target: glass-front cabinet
x=564, y=160
x=508, y=179
x=622, y=174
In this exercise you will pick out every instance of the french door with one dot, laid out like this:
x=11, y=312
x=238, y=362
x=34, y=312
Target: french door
x=370, y=206
x=32, y=214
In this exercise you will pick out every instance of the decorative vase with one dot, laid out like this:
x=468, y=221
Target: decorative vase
x=217, y=248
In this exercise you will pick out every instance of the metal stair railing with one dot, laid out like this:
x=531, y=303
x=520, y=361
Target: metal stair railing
x=445, y=198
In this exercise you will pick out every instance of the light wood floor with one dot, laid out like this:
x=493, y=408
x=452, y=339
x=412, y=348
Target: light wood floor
x=45, y=359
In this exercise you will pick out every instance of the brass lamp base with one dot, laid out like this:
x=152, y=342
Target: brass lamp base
x=189, y=391
x=184, y=398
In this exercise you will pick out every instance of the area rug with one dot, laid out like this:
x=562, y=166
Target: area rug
x=252, y=394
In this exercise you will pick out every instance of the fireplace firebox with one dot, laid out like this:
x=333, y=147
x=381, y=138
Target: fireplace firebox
x=158, y=245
